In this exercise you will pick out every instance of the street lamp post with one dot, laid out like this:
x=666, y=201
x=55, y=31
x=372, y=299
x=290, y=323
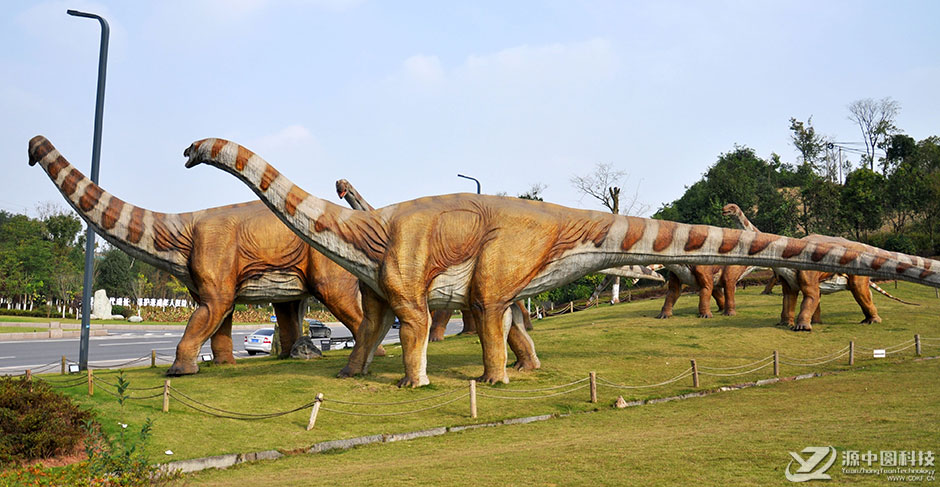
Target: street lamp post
x=473, y=179
x=95, y=158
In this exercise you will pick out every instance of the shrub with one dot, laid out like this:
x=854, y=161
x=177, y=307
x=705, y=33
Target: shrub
x=124, y=311
x=37, y=422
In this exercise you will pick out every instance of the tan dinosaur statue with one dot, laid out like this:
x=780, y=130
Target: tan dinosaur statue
x=519, y=340
x=486, y=252
x=232, y=254
x=814, y=283
x=715, y=281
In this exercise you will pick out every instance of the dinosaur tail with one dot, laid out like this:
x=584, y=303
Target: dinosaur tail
x=162, y=240
x=878, y=288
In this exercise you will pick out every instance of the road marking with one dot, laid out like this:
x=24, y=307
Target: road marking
x=128, y=343
x=11, y=356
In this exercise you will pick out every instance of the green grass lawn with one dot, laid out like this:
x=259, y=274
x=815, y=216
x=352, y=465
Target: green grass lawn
x=624, y=344
x=20, y=329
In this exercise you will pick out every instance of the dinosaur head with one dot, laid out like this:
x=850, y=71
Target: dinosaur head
x=38, y=148
x=194, y=153
x=342, y=186
x=730, y=209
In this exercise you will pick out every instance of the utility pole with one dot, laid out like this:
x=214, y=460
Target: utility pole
x=95, y=159
x=474, y=179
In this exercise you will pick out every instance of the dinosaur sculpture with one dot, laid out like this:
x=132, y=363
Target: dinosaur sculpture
x=814, y=283
x=519, y=340
x=232, y=254
x=486, y=252
x=715, y=281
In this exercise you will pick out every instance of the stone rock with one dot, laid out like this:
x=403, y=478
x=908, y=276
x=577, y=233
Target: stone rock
x=117, y=317
x=621, y=403
x=101, y=306
x=305, y=349
x=135, y=319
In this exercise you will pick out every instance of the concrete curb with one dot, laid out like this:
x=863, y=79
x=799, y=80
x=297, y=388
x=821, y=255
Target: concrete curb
x=52, y=333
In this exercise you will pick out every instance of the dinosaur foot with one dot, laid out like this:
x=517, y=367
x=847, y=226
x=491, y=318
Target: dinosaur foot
x=224, y=359
x=433, y=338
x=349, y=372
x=784, y=323
x=527, y=364
x=410, y=382
x=179, y=368
x=705, y=315
x=802, y=327
x=869, y=321
x=467, y=333
x=491, y=379
x=663, y=315
x=729, y=312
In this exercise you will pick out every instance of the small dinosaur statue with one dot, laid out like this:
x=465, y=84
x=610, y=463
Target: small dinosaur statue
x=814, y=283
x=485, y=252
x=231, y=254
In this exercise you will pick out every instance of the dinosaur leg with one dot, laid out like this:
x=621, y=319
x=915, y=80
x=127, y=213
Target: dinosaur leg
x=706, y=283
x=415, y=326
x=862, y=294
x=496, y=323
x=672, y=294
x=521, y=343
x=809, y=286
x=341, y=296
x=469, y=323
x=817, y=315
x=377, y=318
x=288, y=321
x=439, y=320
x=526, y=319
x=790, y=296
x=729, y=278
x=221, y=342
x=769, y=288
x=203, y=323
x=718, y=293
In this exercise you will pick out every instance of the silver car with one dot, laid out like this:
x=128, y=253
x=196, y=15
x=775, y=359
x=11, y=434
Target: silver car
x=259, y=341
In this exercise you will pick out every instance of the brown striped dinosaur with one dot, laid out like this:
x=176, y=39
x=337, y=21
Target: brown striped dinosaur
x=232, y=254
x=485, y=252
x=814, y=283
x=518, y=339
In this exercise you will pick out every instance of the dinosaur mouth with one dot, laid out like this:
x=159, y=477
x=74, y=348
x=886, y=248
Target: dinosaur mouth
x=190, y=153
x=342, y=195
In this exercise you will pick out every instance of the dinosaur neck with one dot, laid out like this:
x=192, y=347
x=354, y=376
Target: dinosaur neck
x=355, y=200
x=744, y=223
x=162, y=240
x=355, y=240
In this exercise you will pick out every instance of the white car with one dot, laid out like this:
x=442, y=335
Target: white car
x=259, y=341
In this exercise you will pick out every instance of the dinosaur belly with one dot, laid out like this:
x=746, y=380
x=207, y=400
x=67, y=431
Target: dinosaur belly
x=271, y=287
x=451, y=288
x=834, y=284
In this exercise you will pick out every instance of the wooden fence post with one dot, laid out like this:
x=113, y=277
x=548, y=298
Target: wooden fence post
x=776, y=364
x=852, y=352
x=166, y=396
x=473, y=398
x=91, y=384
x=153, y=358
x=917, y=344
x=29, y=374
x=314, y=411
x=593, y=387
x=694, y=374
x=63, y=365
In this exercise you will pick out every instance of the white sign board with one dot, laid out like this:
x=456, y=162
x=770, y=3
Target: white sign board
x=880, y=353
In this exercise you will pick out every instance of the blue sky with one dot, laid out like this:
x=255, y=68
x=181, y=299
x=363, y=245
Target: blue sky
x=399, y=97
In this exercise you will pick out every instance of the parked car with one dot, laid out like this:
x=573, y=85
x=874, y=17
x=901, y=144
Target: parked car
x=318, y=329
x=259, y=341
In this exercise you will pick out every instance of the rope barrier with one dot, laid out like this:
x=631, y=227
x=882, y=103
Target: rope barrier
x=545, y=388
x=112, y=384
x=899, y=350
x=768, y=364
x=685, y=373
x=527, y=398
x=65, y=384
x=865, y=349
x=118, y=366
x=816, y=359
x=795, y=364
x=702, y=367
x=400, y=413
x=242, y=415
x=353, y=403
x=245, y=417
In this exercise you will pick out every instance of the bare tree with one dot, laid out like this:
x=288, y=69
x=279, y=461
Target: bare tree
x=604, y=185
x=876, y=121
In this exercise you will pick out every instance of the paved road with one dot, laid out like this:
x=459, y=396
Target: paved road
x=121, y=346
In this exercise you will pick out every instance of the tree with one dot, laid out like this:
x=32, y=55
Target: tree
x=875, y=119
x=115, y=273
x=862, y=203
x=534, y=193
x=808, y=143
